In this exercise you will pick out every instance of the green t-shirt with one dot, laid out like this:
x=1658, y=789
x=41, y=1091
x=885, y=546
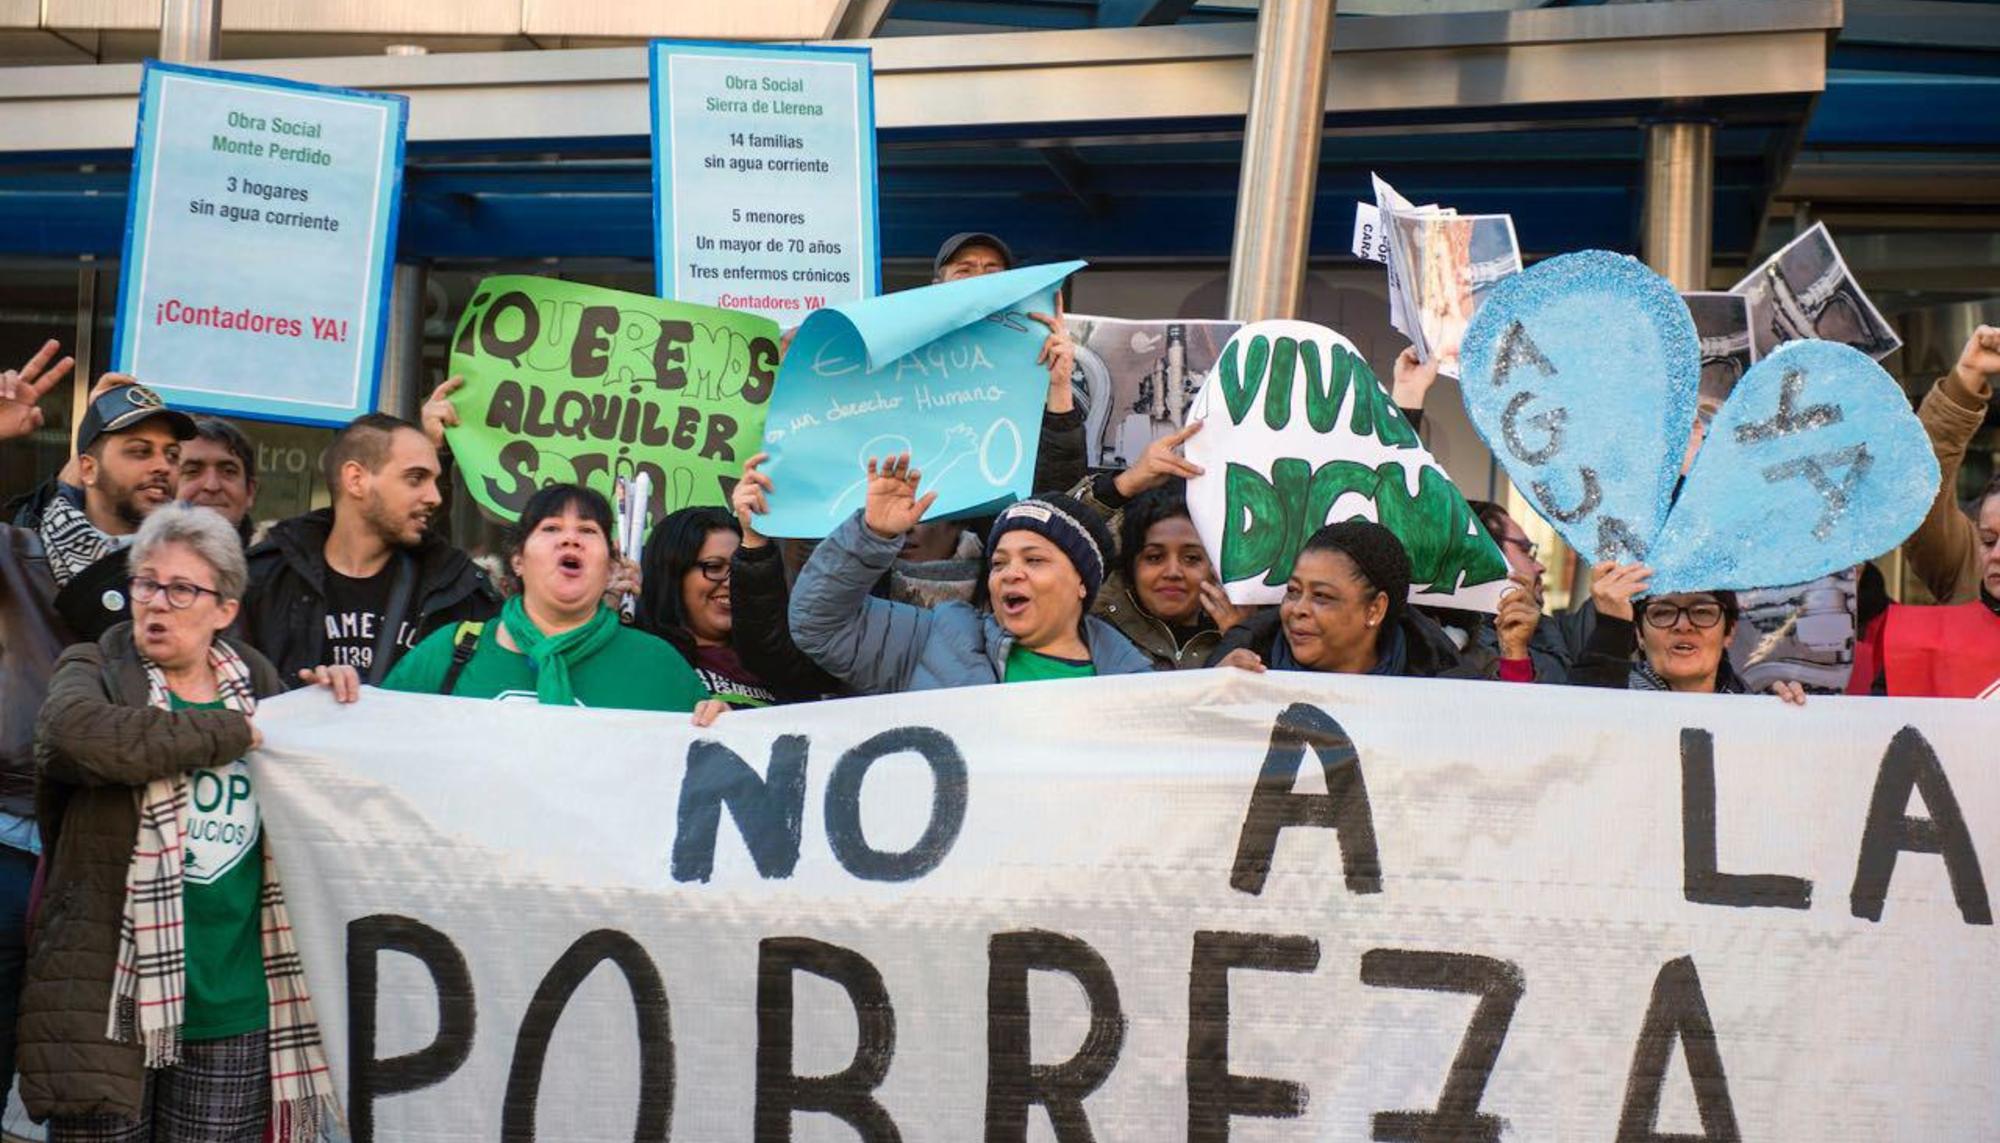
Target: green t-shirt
x=1025, y=666
x=222, y=880
x=635, y=671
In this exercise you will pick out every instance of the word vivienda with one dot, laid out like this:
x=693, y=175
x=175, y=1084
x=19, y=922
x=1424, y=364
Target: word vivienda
x=768, y=808
x=1273, y=365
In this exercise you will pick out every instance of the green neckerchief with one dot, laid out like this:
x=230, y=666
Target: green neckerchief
x=553, y=656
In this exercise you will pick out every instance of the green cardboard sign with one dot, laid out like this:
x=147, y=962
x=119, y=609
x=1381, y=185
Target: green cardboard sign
x=568, y=383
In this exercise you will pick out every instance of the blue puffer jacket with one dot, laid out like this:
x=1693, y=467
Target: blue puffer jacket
x=876, y=646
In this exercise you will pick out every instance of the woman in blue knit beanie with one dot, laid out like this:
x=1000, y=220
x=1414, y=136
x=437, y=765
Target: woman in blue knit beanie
x=1029, y=619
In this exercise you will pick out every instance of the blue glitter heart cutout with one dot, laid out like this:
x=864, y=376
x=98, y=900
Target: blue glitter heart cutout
x=1814, y=464
x=1581, y=373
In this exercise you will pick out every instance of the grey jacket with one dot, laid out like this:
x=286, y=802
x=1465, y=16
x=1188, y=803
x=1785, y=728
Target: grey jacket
x=876, y=646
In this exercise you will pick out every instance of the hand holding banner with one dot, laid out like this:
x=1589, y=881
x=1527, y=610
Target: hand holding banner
x=946, y=373
x=1277, y=467
x=572, y=383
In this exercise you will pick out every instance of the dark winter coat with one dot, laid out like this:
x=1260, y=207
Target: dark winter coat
x=97, y=744
x=284, y=612
x=31, y=638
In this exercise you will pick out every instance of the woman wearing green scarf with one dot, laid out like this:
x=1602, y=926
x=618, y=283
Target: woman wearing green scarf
x=556, y=642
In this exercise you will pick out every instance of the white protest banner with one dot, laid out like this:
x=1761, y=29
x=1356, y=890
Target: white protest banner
x=764, y=187
x=258, y=233
x=1167, y=907
x=1277, y=466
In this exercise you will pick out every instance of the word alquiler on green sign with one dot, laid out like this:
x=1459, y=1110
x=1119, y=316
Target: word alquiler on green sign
x=569, y=383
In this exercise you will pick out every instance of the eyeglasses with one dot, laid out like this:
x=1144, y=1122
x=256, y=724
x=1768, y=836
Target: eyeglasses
x=1666, y=615
x=714, y=571
x=180, y=594
x=1529, y=548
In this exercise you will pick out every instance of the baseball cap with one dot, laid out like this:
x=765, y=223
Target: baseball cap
x=127, y=406
x=958, y=242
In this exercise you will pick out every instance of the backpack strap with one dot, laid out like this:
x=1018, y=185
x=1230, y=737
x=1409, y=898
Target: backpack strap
x=463, y=643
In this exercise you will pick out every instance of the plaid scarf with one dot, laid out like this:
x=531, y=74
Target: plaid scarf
x=148, y=988
x=72, y=542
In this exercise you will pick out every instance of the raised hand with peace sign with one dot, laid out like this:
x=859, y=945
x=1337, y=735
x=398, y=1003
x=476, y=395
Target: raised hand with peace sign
x=22, y=389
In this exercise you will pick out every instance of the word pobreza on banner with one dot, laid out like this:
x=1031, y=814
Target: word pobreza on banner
x=1298, y=897
x=259, y=227
x=947, y=373
x=568, y=383
x=1297, y=433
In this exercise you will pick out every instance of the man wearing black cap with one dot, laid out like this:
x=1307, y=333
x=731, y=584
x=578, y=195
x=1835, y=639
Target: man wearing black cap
x=128, y=456
x=970, y=254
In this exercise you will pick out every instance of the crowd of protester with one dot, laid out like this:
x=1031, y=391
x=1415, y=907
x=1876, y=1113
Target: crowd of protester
x=139, y=554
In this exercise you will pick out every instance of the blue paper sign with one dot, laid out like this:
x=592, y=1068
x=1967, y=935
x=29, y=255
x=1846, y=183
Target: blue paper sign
x=260, y=225
x=1582, y=374
x=764, y=188
x=946, y=373
x=1814, y=464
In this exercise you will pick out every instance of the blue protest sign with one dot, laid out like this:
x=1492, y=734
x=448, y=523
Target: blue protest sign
x=764, y=187
x=260, y=225
x=946, y=373
x=1581, y=373
x=1814, y=464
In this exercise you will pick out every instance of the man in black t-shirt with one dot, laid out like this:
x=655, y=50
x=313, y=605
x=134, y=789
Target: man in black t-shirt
x=362, y=582
x=356, y=610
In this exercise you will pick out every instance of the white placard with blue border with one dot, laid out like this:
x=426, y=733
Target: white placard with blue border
x=764, y=181
x=258, y=236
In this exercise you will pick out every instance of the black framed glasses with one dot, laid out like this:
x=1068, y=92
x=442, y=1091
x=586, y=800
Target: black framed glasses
x=181, y=595
x=1529, y=548
x=1666, y=615
x=713, y=570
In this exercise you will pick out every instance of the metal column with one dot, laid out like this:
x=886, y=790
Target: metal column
x=1281, y=134
x=403, y=390
x=1680, y=201
x=190, y=30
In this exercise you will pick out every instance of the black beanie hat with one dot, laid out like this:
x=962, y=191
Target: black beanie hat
x=1064, y=522
x=1376, y=551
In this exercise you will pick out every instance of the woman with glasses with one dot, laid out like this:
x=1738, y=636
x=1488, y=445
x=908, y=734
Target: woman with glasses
x=1674, y=642
x=163, y=997
x=686, y=600
x=557, y=642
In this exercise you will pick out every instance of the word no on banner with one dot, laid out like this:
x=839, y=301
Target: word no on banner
x=764, y=188
x=1201, y=906
x=260, y=224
